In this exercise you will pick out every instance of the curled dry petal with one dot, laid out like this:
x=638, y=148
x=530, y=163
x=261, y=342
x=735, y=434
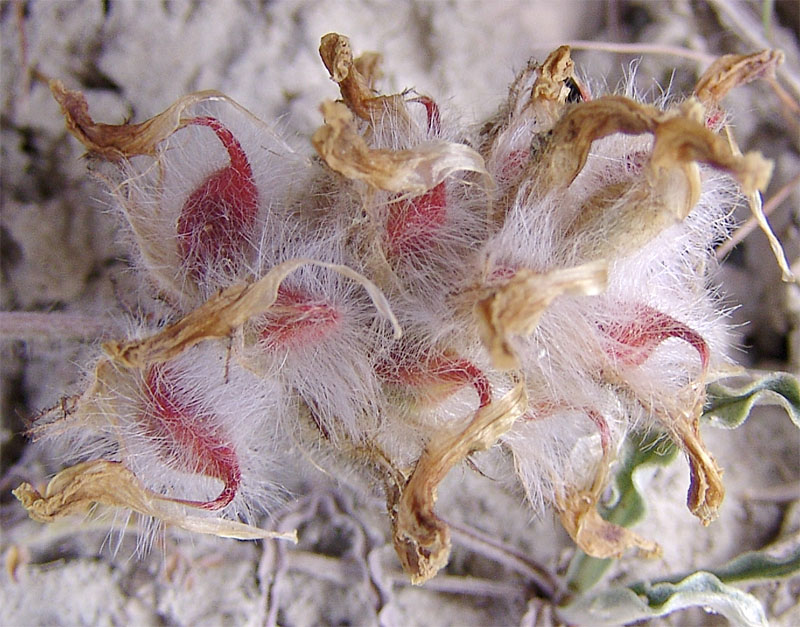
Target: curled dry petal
x=222, y=314
x=421, y=538
x=595, y=536
x=684, y=139
x=680, y=139
x=733, y=70
x=115, y=142
x=706, y=490
x=355, y=77
x=671, y=186
x=411, y=172
x=515, y=308
x=76, y=488
x=550, y=91
x=553, y=73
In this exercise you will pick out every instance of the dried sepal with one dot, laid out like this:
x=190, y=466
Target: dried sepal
x=226, y=312
x=421, y=538
x=516, y=307
x=411, y=172
x=75, y=489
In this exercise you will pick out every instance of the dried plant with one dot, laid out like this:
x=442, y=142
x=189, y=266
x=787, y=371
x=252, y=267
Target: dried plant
x=529, y=293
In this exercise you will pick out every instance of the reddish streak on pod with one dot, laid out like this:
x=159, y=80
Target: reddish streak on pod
x=432, y=370
x=514, y=165
x=185, y=435
x=412, y=223
x=296, y=320
x=432, y=109
x=217, y=217
x=636, y=339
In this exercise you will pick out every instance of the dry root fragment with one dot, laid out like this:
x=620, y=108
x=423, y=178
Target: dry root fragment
x=515, y=308
x=76, y=488
x=577, y=510
x=421, y=538
x=411, y=172
x=733, y=70
x=115, y=142
x=227, y=311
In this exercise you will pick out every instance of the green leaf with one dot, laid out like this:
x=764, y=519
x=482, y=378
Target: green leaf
x=726, y=407
x=776, y=561
x=627, y=507
x=622, y=605
x=729, y=407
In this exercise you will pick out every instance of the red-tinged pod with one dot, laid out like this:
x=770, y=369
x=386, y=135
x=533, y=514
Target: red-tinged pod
x=297, y=319
x=513, y=165
x=216, y=220
x=635, y=339
x=432, y=111
x=412, y=223
x=435, y=369
x=187, y=437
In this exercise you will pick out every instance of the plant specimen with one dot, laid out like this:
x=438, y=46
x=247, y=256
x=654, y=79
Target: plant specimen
x=417, y=295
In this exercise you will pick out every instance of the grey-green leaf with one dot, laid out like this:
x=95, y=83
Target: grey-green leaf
x=621, y=605
x=729, y=407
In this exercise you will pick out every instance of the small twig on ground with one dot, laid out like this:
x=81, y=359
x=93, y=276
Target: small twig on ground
x=26, y=325
x=477, y=541
x=784, y=493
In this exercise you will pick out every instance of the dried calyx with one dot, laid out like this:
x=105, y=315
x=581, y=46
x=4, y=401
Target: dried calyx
x=539, y=271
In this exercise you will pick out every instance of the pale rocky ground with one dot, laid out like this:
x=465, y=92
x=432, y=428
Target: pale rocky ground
x=59, y=253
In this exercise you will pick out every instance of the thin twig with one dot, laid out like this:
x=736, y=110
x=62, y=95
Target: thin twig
x=751, y=224
x=477, y=541
x=785, y=493
x=638, y=49
x=466, y=585
x=27, y=325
